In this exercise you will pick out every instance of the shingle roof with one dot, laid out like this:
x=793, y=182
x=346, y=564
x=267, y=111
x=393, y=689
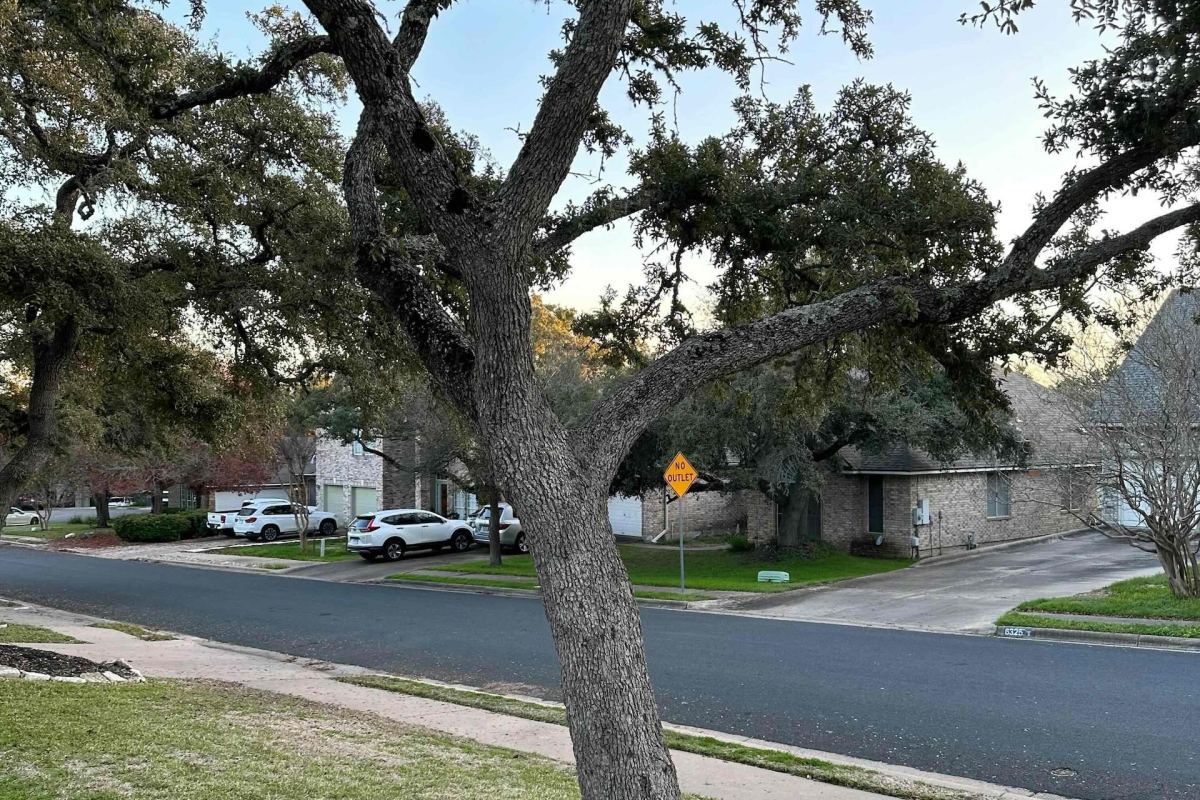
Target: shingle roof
x=1039, y=413
x=1135, y=385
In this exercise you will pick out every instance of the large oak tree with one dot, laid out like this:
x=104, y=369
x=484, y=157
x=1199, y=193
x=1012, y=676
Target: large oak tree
x=753, y=201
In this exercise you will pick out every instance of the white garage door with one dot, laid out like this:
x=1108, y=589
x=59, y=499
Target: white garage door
x=232, y=501
x=625, y=515
x=334, y=501
x=364, y=500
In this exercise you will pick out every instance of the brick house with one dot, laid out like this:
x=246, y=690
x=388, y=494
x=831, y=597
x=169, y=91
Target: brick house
x=869, y=502
x=349, y=480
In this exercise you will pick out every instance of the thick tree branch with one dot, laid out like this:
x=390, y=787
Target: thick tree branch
x=569, y=102
x=572, y=227
x=246, y=80
x=617, y=421
x=384, y=268
x=380, y=76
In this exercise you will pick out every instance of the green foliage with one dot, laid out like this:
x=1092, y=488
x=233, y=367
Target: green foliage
x=740, y=544
x=152, y=527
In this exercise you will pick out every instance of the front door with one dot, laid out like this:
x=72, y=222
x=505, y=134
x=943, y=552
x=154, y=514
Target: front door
x=875, y=504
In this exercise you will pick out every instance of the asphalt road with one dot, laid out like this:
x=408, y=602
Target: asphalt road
x=1122, y=721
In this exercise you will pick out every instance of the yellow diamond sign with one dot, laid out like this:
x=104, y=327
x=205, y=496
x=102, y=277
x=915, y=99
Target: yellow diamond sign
x=680, y=474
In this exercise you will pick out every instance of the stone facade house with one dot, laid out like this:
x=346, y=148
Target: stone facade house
x=349, y=480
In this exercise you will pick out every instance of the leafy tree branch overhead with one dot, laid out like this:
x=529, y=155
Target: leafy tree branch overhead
x=823, y=224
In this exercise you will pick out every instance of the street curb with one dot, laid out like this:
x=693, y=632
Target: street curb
x=506, y=592
x=1143, y=640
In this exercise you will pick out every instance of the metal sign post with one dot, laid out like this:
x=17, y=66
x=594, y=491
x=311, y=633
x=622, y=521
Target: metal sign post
x=680, y=475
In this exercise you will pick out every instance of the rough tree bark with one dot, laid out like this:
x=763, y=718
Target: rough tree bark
x=494, y=556
x=52, y=354
x=102, y=515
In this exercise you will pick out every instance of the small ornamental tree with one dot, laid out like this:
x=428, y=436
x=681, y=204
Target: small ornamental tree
x=1139, y=456
x=792, y=194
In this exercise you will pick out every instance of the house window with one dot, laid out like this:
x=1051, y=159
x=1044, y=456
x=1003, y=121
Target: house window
x=999, y=496
x=1075, y=490
x=875, y=504
x=357, y=448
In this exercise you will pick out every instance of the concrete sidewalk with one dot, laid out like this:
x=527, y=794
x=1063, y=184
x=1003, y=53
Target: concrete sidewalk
x=192, y=658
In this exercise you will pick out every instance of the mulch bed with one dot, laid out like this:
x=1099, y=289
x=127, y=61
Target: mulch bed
x=91, y=539
x=30, y=659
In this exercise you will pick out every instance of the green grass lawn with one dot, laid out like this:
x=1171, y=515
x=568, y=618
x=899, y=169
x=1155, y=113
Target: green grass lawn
x=195, y=741
x=530, y=585
x=12, y=633
x=1023, y=620
x=711, y=569
x=335, y=550
x=1137, y=597
x=57, y=530
x=774, y=760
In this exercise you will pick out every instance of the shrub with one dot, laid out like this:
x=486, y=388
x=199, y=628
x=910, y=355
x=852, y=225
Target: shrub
x=75, y=520
x=152, y=527
x=739, y=544
x=197, y=520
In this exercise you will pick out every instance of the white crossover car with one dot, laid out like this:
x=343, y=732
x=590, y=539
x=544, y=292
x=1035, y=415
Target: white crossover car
x=17, y=517
x=390, y=533
x=268, y=519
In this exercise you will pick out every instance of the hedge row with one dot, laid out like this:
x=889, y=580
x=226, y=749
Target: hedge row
x=189, y=524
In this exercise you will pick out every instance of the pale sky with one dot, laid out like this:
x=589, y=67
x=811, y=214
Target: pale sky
x=970, y=87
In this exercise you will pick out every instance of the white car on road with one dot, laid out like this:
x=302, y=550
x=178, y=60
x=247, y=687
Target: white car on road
x=17, y=517
x=268, y=519
x=390, y=533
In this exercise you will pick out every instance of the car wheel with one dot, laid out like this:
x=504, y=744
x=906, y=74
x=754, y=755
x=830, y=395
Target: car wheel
x=393, y=550
x=520, y=545
x=461, y=542
x=327, y=528
x=368, y=556
x=270, y=533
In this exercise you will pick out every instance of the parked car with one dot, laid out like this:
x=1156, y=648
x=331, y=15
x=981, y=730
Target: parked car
x=222, y=521
x=120, y=502
x=17, y=516
x=511, y=534
x=392, y=532
x=270, y=518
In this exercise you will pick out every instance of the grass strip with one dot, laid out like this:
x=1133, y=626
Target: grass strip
x=1018, y=619
x=137, y=631
x=497, y=583
x=711, y=569
x=335, y=550
x=774, y=760
x=14, y=633
x=1137, y=597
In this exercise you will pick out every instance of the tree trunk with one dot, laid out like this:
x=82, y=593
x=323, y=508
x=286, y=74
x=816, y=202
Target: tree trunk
x=102, y=516
x=52, y=355
x=618, y=742
x=156, y=497
x=494, y=559
x=1180, y=566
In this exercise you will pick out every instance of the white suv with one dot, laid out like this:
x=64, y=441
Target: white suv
x=270, y=518
x=511, y=534
x=390, y=533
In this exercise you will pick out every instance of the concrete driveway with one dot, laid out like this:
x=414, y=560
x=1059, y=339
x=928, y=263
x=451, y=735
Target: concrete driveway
x=966, y=595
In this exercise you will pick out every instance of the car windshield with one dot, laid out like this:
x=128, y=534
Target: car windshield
x=247, y=511
x=361, y=523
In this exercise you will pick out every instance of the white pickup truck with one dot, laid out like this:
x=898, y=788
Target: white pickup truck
x=268, y=519
x=222, y=521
